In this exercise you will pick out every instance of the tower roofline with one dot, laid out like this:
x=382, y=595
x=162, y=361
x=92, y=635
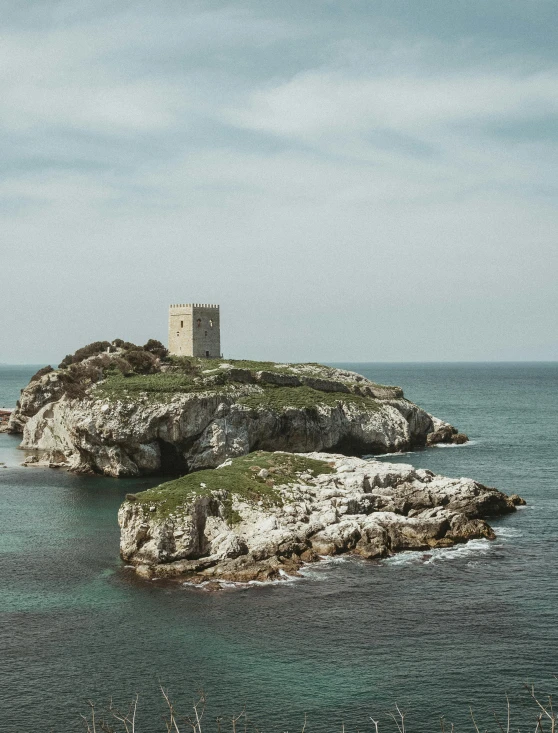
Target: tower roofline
x=213, y=306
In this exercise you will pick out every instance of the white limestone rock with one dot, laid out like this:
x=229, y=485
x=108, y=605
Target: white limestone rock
x=137, y=435
x=364, y=506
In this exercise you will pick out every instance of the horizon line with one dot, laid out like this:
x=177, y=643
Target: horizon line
x=349, y=361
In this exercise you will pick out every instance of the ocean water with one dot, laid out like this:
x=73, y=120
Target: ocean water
x=434, y=632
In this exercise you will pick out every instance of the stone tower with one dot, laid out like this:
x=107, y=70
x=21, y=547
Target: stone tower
x=194, y=330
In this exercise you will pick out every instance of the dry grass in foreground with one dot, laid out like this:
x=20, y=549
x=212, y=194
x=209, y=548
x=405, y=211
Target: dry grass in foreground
x=114, y=720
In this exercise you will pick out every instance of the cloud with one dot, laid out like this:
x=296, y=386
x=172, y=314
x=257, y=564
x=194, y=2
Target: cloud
x=413, y=137
x=130, y=69
x=54, y=81
x=340, y=174
x=324, y=102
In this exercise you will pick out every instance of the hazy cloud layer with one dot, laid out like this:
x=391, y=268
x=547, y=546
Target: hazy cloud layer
x=351, y=180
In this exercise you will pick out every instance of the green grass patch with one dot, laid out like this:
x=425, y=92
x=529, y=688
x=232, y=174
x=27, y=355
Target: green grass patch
x=189, y=378
x=278, y=398
x=161, y=387
x=239, y=479
x=148, y=383
x=202, y=364
x=265, y=366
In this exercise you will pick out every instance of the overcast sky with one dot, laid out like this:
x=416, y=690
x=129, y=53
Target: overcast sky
x=352, y=180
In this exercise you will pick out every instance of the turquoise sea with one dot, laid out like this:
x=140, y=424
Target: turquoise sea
x=434, y=632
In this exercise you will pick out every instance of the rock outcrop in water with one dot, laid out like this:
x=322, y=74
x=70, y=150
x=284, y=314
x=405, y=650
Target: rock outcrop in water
x=4, y=420
x=262, y=516
x=193, y=414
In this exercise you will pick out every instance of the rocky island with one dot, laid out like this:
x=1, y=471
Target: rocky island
x=265, y=454
x=124, y=410
x=262, y=516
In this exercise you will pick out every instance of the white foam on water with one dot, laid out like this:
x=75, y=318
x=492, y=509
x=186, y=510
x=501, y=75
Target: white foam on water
x=378, y=456
x=315, y=571
x=332, y=559
x=319, y=570
x=455, y=445
x=507, y=532
x=428, y=557
x=238, y=585
x=285, y=578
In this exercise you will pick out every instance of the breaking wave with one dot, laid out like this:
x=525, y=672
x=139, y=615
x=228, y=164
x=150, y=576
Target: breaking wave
x=319, y=570
x=428, y=557
x=507, y=532
x=455, y=445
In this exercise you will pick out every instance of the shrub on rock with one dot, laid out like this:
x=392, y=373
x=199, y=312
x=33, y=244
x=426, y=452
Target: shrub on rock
x=44, y=370
x=142, y=362
x=157, y=348
x=119, y=364
x=97, y=347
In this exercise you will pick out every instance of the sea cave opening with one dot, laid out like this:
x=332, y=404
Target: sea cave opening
x=173, y=462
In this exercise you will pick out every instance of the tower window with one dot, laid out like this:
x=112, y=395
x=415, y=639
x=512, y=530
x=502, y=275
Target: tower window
x=181, y=324
x=178, y=333
x=206, y=333
x=210, y=323
x=199, y=322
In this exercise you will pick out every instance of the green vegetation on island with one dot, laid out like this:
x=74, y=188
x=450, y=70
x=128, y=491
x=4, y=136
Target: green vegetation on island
x=252, y=477
x=121, y=371
x=165, y=386
x=279, y=398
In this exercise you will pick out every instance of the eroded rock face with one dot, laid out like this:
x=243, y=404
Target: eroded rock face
x=48, y=388
x=4, y=420
x=201, y=431
x=141, y=434
x=367, y=507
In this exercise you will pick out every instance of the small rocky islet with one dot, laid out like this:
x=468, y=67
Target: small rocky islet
x=267, y=452
x=262, y=516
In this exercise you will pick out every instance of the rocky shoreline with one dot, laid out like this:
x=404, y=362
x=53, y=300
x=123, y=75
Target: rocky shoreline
x=185, y=418
x=265, y=454
x=264, y=516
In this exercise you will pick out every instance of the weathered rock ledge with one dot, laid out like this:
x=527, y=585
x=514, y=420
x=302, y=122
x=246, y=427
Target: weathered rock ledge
x=89, y=419
x=5, y=415
x=263, y=516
